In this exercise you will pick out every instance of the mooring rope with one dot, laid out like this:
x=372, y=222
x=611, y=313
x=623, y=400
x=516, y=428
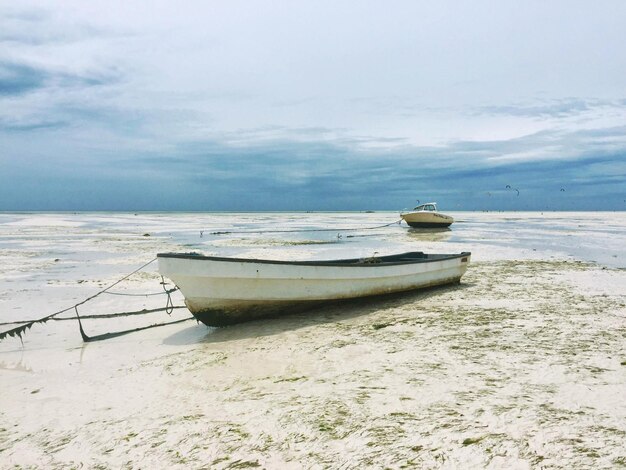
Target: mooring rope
x=115, y=334
x=20, y=330
x=340, y=229
x=98, y=316
x=169, y=308
x=141, y=295
x=169, y=305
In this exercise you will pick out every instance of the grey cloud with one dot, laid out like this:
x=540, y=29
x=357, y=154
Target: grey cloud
x=30, y=16
x=17, y=79
x=550, y=109
x=88, y=116
x=41, y=27
x=6, y=125
x=336, y=176
x=288, y=175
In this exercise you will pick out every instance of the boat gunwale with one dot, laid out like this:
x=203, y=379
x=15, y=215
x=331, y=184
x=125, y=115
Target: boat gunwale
x=374, y=262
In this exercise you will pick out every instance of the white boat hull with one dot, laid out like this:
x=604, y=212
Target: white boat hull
x=220, y=291
x=424, y=219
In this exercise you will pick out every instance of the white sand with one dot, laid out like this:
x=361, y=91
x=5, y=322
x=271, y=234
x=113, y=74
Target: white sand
x=522, y=366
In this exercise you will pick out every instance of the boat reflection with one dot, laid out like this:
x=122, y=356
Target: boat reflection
x=430, y=234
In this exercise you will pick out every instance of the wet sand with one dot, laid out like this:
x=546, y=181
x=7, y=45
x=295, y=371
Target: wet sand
x=521, y=366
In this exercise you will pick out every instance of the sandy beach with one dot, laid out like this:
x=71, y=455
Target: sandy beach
x=521, y=366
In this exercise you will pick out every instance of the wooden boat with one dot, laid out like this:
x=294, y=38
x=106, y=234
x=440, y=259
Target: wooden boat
x=221, y=291
x=426, y=216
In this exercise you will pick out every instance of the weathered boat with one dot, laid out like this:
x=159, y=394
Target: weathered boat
x=427, y=216
x=222, y=291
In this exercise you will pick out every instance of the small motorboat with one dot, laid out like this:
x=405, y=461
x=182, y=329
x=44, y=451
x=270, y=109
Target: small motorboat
x=426, y=216
x=222, y=291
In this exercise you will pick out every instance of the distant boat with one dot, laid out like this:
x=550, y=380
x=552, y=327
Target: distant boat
x=426, y=216
x=222, y=291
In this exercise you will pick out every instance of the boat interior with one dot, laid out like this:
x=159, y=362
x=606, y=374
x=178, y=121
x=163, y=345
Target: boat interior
x=402, y=258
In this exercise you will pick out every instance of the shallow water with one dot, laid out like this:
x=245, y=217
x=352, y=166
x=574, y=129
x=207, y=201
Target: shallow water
x=598, y=237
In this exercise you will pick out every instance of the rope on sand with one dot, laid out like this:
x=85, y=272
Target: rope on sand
x=98, y=316
x=26, y=325
x=88, y=339
x=340, y=229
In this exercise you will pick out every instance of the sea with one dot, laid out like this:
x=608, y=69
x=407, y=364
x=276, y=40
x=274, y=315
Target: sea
x=598, y=237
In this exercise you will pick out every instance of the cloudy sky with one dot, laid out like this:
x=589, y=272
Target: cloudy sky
x=324, y=105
